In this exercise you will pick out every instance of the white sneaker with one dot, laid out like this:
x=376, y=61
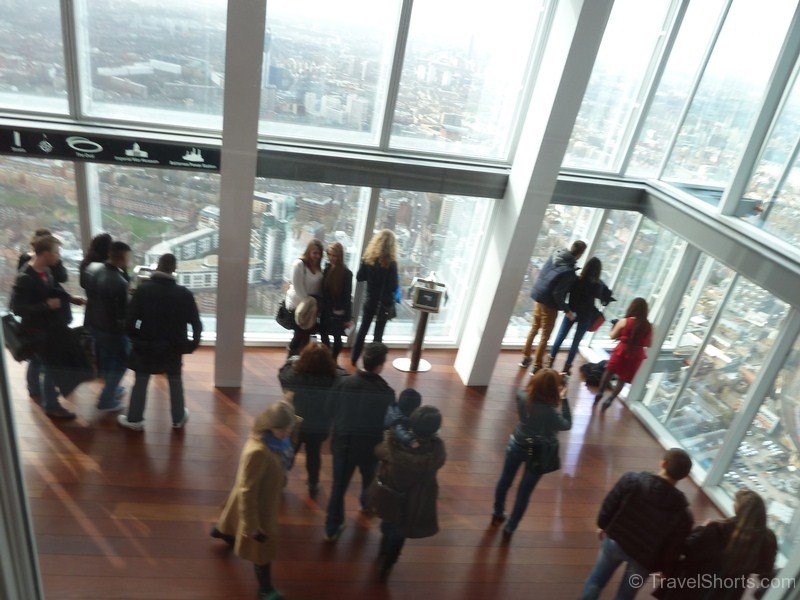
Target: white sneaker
x=184, y=419
x=122, y=420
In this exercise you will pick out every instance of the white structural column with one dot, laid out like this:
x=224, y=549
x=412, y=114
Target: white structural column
x=244, y=49
x=569, y=55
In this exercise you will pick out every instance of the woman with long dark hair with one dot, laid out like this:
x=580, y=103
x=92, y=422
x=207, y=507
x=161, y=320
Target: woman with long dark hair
x=337, y=298
x=379, y=270
x=539, y=421
x=306, y=287
x=588, y=288
x=634, y=333
x=99, y=247
x=731, y=549
x=311, y=377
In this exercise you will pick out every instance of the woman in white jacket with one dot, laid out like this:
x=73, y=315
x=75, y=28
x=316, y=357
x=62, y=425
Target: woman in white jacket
x=306, y=281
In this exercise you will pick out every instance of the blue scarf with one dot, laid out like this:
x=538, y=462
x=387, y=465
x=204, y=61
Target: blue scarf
x=282, y=447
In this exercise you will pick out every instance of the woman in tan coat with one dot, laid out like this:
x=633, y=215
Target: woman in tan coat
x=249, y=521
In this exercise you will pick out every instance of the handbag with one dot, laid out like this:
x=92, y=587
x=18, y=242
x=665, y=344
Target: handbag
x=285, y=317
x=597, y=321
x=542, y=455
x=18, y=343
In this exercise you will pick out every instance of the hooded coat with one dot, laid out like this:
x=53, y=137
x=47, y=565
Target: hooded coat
x=412, y=471
x=555, y=280
x=649, y=518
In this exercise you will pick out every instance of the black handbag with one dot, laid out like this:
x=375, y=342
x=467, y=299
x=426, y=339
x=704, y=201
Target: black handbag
x=542, y=455
x=19, y=345
x=285, y=317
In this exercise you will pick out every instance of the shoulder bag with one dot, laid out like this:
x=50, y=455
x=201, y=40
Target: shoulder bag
x=542, y=455
x=19, y=345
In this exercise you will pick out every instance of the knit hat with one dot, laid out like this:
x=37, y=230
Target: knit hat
x=425, y=421
x=409, y=400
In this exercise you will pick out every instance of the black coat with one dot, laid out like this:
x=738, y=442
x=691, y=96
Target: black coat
x=106, y=297
x=157, y=318
x=343, y=303
x=358, y=406
x=312, y=395
x=649, y=518
x=381, y=283
x=582, y=297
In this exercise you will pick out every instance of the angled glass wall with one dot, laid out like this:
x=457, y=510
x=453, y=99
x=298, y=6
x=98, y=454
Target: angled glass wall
x=32, y=73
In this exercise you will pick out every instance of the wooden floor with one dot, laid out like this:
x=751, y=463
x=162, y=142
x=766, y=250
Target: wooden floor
x=120, y=514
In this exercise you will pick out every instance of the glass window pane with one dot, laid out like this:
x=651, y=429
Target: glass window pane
x=562, y=225
x=676, y=84
x=157, y=211
x=32, y=56
x=464, y=76
x=613, y=94
x=286, y=216
x=707, y=288
x=767, y=459
x=326, y=69
x=36, y=194
x=724, y=368
x=718, y=124
x=618, y=227
x=440, y=234
x=152, y=61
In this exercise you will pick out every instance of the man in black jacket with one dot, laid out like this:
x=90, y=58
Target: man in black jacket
x=549, y=295
x=106, y=302
x=358, y=407
x=41, y=301
x=158, y=315
x=644, y=522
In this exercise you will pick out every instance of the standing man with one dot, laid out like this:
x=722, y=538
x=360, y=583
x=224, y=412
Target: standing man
x=158, y=315
x=43, y=305
x=644, y=522
x=107, y=301
x=550, y=295
x=359, y=406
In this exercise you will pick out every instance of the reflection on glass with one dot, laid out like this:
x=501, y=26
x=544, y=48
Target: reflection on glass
x=706, y=289
x=645, y=272
x=463, y=76
x=562, y=225
x=618, y=227
x=440, y=234
x=719, y=121
x=37, y=194
x=613, y=94
x=286, y=216
x=724, y=368
x=768, y=459
x=32, y=64
x=160, y=62
x=157, y=211
x=326, y=68
x=676, y=83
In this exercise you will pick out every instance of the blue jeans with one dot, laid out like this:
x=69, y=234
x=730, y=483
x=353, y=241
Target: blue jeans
x=112, y=357
x=349, y=452
x=516, y=455
x=40, y=383
x=566, y=325
x=610, y=557
x=139, y=396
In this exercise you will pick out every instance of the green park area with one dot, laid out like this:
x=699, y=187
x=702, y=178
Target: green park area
x=139, y=227
x=20, y=200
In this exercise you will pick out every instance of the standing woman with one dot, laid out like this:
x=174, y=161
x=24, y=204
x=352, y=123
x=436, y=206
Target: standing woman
x=635, y=333
x=731, y=549
x=410, y=472
x=249, y=521
x=337, y=298
x=306, y=284
x=379, y=269
x=99, y=247
x=587, y=288
x=311, y=377
x=539, y=419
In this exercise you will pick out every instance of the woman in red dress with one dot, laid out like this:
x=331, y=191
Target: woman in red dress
x=634, y=333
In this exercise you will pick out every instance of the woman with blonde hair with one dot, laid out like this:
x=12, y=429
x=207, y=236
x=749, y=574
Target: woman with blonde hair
x=337, y=298
x=249, y=521
x=539, y=422
x=305, y=291
x=379, y=270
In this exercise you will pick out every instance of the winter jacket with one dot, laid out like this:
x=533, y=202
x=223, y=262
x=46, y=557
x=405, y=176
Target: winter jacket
x=544, y=420
x=106, y=297
x=29, y=301
x=312, y=394
x=381, y=283
x=412, y=472
x=341, y=305
x=555, y=280
x=358, y=406
x=649, y=518
x=582, y=297
x=156, y=322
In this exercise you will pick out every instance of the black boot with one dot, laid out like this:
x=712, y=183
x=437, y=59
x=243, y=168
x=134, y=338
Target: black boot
x=228, y=539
